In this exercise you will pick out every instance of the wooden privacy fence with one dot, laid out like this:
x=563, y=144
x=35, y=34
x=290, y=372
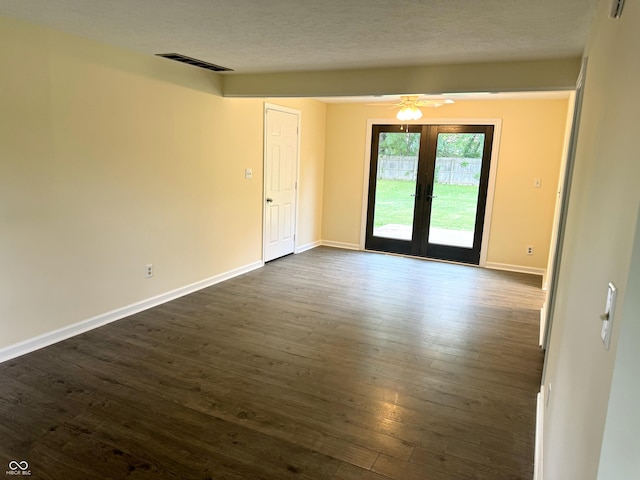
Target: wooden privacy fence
x=449, y=170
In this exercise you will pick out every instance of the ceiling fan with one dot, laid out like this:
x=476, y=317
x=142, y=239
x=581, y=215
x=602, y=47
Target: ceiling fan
x=409, y=106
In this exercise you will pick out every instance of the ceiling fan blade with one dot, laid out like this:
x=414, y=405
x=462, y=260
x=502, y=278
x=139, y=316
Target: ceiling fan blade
x=434, y=103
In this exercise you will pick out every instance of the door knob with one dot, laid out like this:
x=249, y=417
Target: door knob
x=269, y=200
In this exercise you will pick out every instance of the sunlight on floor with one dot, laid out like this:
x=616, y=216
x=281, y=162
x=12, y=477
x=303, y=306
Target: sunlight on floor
x=440, y=236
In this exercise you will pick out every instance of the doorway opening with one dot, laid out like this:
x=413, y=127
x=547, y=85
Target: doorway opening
x=428, y=187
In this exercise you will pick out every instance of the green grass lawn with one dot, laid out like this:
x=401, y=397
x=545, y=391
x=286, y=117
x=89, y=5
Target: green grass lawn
x=454, y=209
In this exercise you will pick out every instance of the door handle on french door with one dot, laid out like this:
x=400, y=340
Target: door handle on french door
x=430, y=197
x=417, y=194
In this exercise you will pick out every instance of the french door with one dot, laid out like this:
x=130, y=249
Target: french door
x=428, y=190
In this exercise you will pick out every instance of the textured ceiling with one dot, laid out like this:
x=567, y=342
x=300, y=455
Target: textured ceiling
x=289, y=35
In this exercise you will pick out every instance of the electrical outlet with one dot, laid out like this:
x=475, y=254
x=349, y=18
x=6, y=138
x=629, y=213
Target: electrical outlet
x=529, y=250
x=148, y=270
x=248, y=173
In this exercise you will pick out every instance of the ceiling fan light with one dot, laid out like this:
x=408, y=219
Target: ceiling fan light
x=409, y=112
x=403, y=114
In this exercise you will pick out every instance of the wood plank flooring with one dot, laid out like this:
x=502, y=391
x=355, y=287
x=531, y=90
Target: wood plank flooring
x=328, y=365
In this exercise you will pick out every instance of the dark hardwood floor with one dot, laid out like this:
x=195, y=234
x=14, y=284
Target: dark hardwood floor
x=330, y=364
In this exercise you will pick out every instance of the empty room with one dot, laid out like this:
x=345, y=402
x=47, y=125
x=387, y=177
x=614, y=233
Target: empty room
x=336, y=240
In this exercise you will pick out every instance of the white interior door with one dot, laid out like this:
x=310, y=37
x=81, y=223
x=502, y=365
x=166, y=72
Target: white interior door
x=280, y=174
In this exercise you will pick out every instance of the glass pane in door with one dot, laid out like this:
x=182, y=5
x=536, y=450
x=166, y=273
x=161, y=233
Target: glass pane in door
x=396, y=185
x=455, y=190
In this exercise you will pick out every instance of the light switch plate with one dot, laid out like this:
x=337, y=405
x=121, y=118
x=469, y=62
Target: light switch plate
x=609, y=310
x=248, y=173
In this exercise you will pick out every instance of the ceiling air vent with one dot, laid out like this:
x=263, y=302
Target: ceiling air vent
x=194, y=61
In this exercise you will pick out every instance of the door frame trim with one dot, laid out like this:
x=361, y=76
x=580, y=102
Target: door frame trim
x=493, y=169
x=298, y=113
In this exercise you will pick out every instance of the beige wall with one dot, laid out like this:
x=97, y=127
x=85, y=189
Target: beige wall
x=110, y=160
x=620, y=454
x=601, y=227
x=514, y=76
x=530, y=147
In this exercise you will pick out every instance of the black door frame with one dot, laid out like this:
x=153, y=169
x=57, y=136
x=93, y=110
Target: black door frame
x=420, y=246
x=390, y=244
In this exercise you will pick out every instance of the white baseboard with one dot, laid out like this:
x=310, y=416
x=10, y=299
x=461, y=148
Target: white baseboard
x=308, y=246
x=55, y=336
x=543, y=324
x=516, y=268
x=346, y=246
x=538, y=457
